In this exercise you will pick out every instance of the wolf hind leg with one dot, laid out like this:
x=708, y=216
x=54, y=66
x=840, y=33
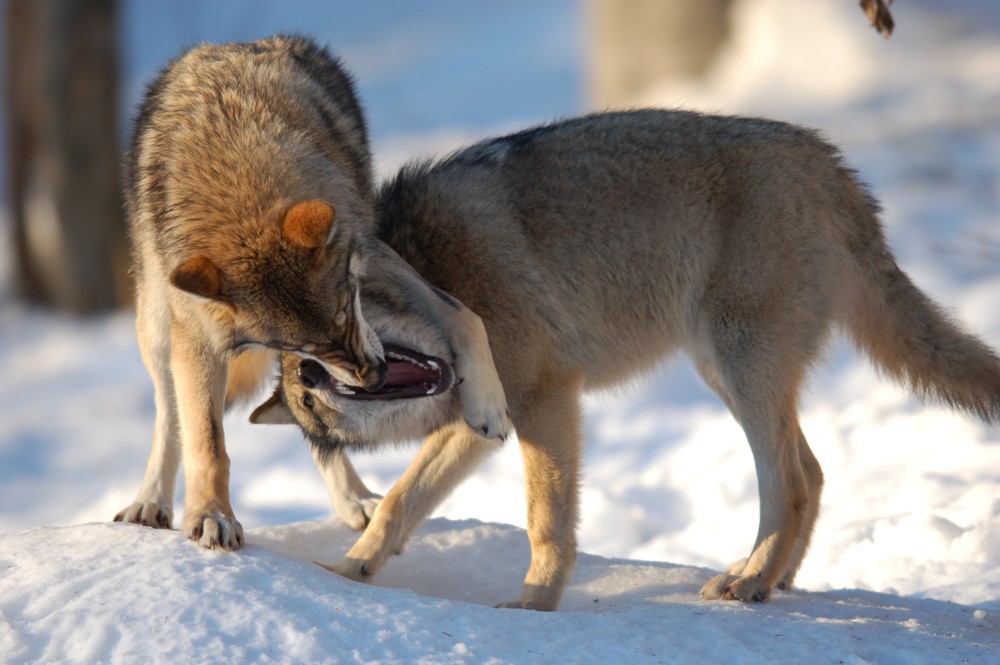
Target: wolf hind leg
x=814, y=484
x=761, y=392
x=784, y=503
x=811, y=470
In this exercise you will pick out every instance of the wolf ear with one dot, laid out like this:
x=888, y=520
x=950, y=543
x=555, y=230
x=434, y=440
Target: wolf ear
x=198, y=276
x=273, y=412
x=309, y=223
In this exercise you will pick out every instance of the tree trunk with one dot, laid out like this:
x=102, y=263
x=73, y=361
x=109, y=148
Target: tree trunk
x=62, y=84
x=635, y=44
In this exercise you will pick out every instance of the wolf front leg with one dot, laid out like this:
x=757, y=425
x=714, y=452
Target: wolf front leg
x=445, y=459
x=200, y=381
x=154, y=504
x=484, y=404
x=352, y=501
x=550, y=444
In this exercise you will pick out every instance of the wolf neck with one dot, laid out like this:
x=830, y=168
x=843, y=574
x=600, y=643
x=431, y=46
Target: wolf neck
x=404, y=221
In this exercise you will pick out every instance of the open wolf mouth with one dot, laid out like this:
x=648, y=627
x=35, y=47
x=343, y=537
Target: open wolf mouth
x=410, y=374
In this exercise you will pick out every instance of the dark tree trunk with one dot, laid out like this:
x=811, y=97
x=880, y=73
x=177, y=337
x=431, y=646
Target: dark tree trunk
x=62, y=84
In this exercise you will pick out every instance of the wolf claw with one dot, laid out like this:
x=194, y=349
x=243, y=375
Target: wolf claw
x=147, y=514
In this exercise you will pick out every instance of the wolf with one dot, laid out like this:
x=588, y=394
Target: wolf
x=250, y=200
x=594, y=247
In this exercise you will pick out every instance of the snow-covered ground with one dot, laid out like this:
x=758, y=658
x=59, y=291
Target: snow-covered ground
x=905, y=561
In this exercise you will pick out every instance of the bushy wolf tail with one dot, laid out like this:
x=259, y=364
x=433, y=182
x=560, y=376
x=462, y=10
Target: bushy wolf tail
x=910, y=339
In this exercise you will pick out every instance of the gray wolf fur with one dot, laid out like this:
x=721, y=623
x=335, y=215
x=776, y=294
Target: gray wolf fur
x=251, y=208
x=592, y=249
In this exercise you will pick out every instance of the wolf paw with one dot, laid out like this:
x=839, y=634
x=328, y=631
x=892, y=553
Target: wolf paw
x=214, y=530
x=352, y=569
x=484, y=403
x=156, y=515
x=734, y=587
x=538, y=597
x=356, y=511
x=490, y=425
x=485, y=411
x=523, y=605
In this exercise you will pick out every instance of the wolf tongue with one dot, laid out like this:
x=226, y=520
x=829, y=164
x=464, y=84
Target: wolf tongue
x=403, y=373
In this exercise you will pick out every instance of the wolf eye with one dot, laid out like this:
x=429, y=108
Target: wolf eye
x=307, y=401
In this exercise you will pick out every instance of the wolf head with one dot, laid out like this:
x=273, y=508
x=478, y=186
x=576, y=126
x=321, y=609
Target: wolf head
x=272, y=289
x=415, y=399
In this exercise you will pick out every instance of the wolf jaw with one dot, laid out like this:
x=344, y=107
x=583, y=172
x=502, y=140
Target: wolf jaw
x=411, y=374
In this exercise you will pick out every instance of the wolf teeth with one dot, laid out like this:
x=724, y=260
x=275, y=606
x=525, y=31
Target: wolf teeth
x=412, y=361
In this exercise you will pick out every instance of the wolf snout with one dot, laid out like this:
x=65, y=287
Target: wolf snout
x=370, y=377
x=311, y=374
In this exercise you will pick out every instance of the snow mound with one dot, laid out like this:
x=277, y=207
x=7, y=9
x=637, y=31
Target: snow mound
x=118, y=593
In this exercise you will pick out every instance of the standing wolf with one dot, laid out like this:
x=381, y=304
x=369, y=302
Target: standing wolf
x=250, y=201
x=593, y=248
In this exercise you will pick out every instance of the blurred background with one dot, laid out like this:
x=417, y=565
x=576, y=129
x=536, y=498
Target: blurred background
x=76, y=69
x=918, y=114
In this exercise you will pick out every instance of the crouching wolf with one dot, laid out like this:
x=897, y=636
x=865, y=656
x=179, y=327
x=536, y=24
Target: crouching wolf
x=251, y=210
x=591, y=249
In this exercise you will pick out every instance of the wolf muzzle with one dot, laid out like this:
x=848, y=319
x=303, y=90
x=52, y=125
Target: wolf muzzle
x=409, y=374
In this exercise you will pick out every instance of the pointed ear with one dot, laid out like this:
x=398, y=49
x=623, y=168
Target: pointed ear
x=273, y=412
x=308, y=223
x=198, y=276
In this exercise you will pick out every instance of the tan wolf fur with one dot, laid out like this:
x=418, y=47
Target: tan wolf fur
x=592, y=249
x=251, y=206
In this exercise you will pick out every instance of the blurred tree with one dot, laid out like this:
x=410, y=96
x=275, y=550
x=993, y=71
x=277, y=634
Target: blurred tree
x=635, y=44
x=638, y=43
x=62, y=84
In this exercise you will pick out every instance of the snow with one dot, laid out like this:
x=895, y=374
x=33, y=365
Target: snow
x=905, y=562
x=111, y=592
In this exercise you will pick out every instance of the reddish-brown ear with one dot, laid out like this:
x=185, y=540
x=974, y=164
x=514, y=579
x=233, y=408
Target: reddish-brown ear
x=308, y=223
x=273, y=412
x=198, y=276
